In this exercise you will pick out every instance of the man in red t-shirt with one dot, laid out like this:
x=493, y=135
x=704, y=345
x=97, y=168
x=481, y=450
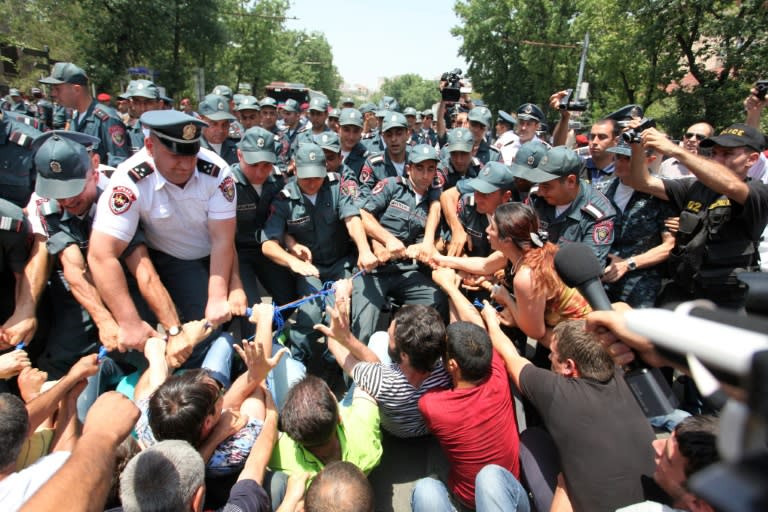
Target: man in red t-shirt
x=475, y=424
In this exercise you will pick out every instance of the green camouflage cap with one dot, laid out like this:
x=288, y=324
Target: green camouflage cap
x=65, y=73
x=310, y=161
x=291, y=105
x=351, y=116
x=526, y=159
x=62, y=166
x=215, y=108
x=319, y=104
x=258, y=145
x=328, y=140
x=143, y=89
x=494, y=176
x=248, y=103
x=422, y=152
x=222, y=90
x=394, y=120
x=480, y=115
x=460, y=139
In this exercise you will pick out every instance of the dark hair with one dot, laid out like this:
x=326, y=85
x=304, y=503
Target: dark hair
x=615, y=128
x=420, y=333
x=591, y=358
x=517, y=221
x=697, y=441
x=179, y=406
x=14, y=423
x=310, y=413
x=340, y=487
x=469, y=345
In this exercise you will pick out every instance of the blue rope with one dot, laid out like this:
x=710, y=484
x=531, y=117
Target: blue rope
x=480, y=305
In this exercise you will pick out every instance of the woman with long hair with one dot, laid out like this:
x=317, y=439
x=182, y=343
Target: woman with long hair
x=534, y=297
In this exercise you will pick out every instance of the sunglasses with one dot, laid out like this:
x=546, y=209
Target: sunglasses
x=699, y=136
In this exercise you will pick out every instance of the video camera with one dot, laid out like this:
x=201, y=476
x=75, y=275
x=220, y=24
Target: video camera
x=578, y=104
x=452, y=90
x=632, y=136
x=762, y=89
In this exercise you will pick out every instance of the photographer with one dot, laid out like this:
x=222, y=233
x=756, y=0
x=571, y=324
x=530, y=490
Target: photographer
x=723, y=214
x=451, y=103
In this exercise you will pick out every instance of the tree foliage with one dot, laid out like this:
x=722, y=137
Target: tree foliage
x=412, y=91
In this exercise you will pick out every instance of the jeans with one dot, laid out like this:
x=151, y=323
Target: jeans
x=283, y=376
x=496, y=489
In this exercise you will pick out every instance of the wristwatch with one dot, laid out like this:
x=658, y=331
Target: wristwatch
x=174, y=330
x=631, y=264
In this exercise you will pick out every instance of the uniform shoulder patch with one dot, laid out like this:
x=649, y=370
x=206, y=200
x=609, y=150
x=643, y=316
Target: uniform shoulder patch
x=208, y=168
x=46, y=206
x=227, y=187
x=593, y=211
x=29, y=121
x=100, y=113
x=140, y=172
x=121, y=199
x=333, y=176
x=476, y=162
x=603, y=233
x=285, y=193
x=21, y=139
x=377, y=159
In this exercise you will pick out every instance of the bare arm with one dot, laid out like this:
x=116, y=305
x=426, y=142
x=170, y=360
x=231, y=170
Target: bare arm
x=653, y=256
x=365, y=259
x=639, y=178
x=273, y=251
x=22, y=324
x=449, y=201
x=256, y=463
x=503, y=345
x=222, y=235
x=447, y=280
x=754, y=108
x=441, y=128
x=560, y=133
x=474, y=265
x=151, y=287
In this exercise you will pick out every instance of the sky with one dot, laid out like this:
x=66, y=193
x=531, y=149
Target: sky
x=381, y=39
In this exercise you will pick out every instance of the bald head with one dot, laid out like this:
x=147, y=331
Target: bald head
x=340, y=487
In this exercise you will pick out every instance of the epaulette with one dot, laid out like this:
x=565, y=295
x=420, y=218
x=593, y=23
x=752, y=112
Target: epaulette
x=285, y=193
x=333, y=176
x=140, y=172
x=377, y=158
x=107, y=171
x=101, y=113
x=47, y=207
x=29, y=121
x=209, y=168
x=22, y=139
x=593, y=211
x=476, y=162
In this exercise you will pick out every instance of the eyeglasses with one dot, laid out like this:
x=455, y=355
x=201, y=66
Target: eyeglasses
x=699, y=136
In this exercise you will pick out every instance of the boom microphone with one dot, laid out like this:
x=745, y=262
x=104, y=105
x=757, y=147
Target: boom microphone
x=579, y=268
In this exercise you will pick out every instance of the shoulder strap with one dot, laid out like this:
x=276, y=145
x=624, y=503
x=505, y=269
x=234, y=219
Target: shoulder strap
x=140, y=172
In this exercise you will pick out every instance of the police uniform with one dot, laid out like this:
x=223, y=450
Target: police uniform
x=589, y=219
x=14, y=252
x=376, y=168
x=228, y=150
x=282, y=149
x=103, y=122
x=597, y=177
x=321, y=228
x=216, y=108
x=373, y=142
x=16, y=170
x=393, y=202
x=451, y=177
x=637, y=229
x=356, y=159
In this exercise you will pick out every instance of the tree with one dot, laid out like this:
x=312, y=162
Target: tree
x=411, y=90
x=306, y=57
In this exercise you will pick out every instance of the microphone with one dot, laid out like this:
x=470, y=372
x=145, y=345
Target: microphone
x=579, y=268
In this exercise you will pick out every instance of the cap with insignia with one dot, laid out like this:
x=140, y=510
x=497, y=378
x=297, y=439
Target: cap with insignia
x=480, y=115
x=222, y=90
x=530, y=112
x=14, y=92
x=409, y=111
x=506, y=118
x=494, y=176
x=268, y=102
x=318, y=104
x=736, y=136
x=62, y=166
x=625, y=114
x=421, y=152
x=367, y=107
x=381, y=113
x=394, y=120
x=347, y=102
x=428, y=113
x=559, y=162
x=248, y=103
x=236, y=99
x=334, y=113
x=310, y=161
x=328, y=140
x=460, y=139
x=526, y=159
x=215, y=108
x=622, y=148
x=179, y=132
x=291, y=105
x=389, y=103
x=351, y=116
x=258, y=145
x=65, y=73
x=143, y=89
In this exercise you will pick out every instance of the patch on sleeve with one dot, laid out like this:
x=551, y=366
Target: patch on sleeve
x=379, y=186
x=121, y=199
x=117, y=134
x=365, y=174
x=348, y=187
x=227, y=187
x=603, y=232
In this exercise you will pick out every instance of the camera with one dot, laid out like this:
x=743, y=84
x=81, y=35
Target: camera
x=762, y=89
x=452, y=90
x=573, y=105
x=632, y=136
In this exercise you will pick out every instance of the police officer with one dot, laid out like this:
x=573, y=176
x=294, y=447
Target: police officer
x=392, y=162
x=642, y=241
x=17, y=102
x=333, y=119
x=184, y=196
x=505, y=136
x=569, y=208
x=427, y=135
x=458, y=163
x=370, y=124
x=214, y=110
x=268, y=121
x=318, y=115
x=374, y=140
x=722, y=213
x=69, y=87
x=324, y=223
x=353, y=151
x=529, y=119
x=410, y=114
x=408, y=214
x=479, y=123
x=14, y=246
x=143, y=96
x=257, y=185
x=16, y=176
x=247, y=111
x=291, y=118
